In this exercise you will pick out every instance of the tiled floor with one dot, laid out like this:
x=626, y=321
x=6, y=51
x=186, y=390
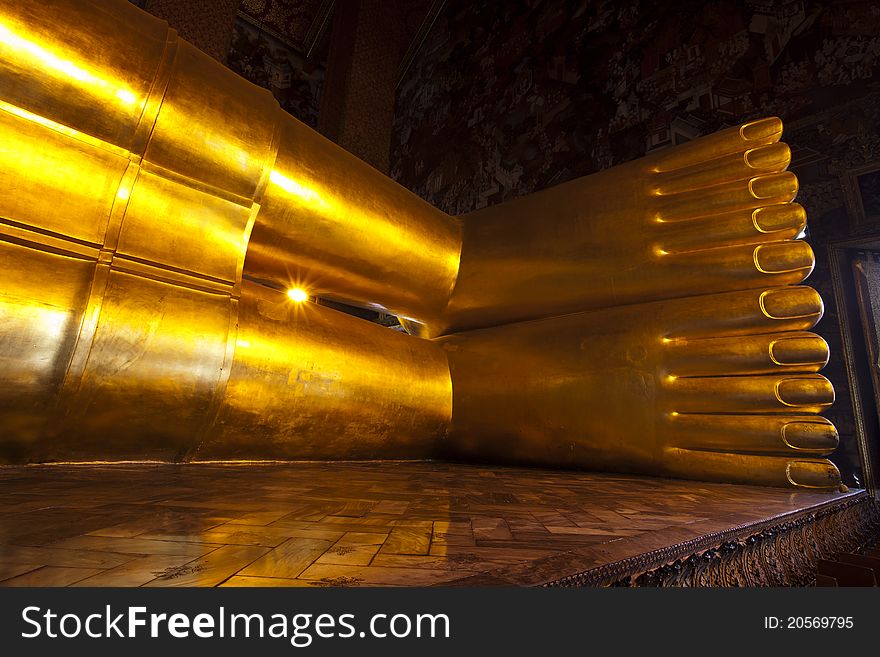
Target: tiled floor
x=347, y=524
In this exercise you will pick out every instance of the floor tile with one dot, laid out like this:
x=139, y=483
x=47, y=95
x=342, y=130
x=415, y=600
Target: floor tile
x=134, y=545
x=243, y=581
x=137, y=572
x=409, y=540
x=211, y=569
x=51, y=576
x=289, y=559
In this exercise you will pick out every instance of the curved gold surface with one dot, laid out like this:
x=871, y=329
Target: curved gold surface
x=335, y=225
x=649, y=388
x=308, y=382
x=143, y=181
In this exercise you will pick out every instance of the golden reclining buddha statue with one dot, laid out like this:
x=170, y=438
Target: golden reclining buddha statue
x=156, y=206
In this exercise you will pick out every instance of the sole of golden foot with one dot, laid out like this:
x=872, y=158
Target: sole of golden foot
x=713, y=215
x=723, y=387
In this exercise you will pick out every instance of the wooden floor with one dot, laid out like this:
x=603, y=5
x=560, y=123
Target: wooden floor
x=348, y=524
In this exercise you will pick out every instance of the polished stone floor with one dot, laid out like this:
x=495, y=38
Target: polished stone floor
x=348, y=524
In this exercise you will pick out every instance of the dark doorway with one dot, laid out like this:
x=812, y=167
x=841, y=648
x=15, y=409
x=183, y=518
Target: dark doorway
x=856, y=268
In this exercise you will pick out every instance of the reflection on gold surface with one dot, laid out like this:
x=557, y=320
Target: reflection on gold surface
x=306, y=194
x=40, y=120
x=14, y=47
x=647, y=318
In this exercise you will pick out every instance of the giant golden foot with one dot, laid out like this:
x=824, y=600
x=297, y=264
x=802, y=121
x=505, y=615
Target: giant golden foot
x=721, y=387
x=708, y=216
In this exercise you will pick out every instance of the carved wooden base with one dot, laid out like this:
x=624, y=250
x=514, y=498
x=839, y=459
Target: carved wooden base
x=780, y=552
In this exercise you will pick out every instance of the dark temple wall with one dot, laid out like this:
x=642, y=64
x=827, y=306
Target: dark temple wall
x=505, y=98
x=268, y=61
x=207, y=24
x=275, y=44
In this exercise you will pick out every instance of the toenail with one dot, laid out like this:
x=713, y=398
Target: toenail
x=810, y=350
x=780, y=184
x=779, y=217
x=805, y=391
x=812, y=474
x=768, y=157
x=791, y=303
x=817, y=436
x=761, y=129
x=783, y=257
